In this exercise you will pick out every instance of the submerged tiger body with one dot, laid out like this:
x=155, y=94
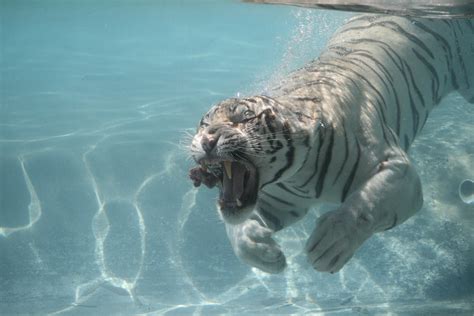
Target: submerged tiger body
x=334, y=131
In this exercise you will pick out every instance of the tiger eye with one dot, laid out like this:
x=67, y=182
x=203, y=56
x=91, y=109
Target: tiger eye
x=248, y=114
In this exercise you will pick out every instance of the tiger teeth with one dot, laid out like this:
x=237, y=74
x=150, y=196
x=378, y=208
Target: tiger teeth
x=239, y=203
x=228, y=169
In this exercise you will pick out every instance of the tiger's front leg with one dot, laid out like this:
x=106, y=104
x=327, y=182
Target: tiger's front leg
x=253, y=244
x=386, y=199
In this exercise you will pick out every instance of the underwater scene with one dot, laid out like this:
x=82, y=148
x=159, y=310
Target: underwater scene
x=99, y=101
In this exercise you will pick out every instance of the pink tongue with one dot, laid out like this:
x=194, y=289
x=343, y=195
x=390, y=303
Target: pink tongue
x=234, y=188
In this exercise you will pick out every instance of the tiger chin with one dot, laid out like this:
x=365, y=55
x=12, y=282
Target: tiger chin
x=337, y=130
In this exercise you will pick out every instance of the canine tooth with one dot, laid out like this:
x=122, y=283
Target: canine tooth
x=239, y=203
x=228, y=168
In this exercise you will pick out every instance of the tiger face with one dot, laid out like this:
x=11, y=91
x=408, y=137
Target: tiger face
x=236, y=145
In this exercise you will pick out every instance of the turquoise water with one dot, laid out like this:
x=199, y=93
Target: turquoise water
x=97, y=215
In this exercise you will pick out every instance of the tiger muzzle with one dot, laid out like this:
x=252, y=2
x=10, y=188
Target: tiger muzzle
x=237, y=182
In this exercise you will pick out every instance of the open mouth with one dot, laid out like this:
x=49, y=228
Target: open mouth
x=237, y=182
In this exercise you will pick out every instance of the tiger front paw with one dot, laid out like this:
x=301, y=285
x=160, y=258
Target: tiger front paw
x=336, y=237
x=253, y=245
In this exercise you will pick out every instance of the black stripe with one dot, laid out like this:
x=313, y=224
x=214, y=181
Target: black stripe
x=383, y=100
x=306, y=142
x=446, y=47
x=433, y=92
x=460, y=55
x=373, y=70
x=413, y=108
x=393, y=26
x=305, y=192
x=308, y=99
x=295, y=214
x=360, y=76
x=394, y=223
x=407, y=142
x=326, y=162
x=286, y=189
x=415, y=115
x=281, y=201
x=308, y=152
x=275, y=146
x=433, y=72
x=266, y=99
x=397, y=101
x=453, y=78
x=269, y=125
x=321, y=141
x=363, y=78
x=378, y=108
x=398, y=114
x=290, y=155
x=389, y=76
x=355, y=28
x=395, y=93
x=424, y=121
x=269, y=217
x=395, y=137
x=322, y=81
x=389, y=51
x=383, y=122
x=458, y=23
x=346, y=152
x=410, y=36
x=340, y=50
x=349, y=181
x=417, y=90
x=366, y=54
x=445, y=22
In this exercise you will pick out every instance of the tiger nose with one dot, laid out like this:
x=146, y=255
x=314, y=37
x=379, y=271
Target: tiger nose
x=209, y=143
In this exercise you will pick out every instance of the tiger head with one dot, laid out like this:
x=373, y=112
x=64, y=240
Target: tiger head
x=240, y=145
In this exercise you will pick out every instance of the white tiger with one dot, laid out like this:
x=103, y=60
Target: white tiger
x=335, y=131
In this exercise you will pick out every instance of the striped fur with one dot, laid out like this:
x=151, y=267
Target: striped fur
x=338, y=130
